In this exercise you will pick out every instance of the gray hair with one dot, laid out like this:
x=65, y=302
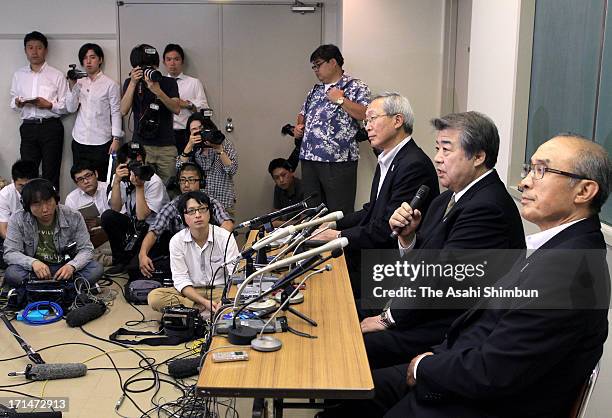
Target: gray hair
x=396, y=104
x=477, y=133
x=592, y=162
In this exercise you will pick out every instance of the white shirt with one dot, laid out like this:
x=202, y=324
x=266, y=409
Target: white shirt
x=78, y=198
x=49, y=83
x=192, y=90
x=386, y=158
x=535, y=241
x=99, y=116
x=155, y=195
x=10, y=202
x=193, y=265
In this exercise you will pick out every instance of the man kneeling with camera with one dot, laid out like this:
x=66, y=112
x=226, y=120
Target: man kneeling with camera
x=136, y=197
x=47, y=241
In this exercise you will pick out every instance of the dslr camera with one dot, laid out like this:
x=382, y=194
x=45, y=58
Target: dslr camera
x=209, y=132
x=74, y=74
x=142, y=171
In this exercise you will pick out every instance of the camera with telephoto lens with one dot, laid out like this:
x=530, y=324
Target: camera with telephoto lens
x=74, y=74
x=142, y=171
x=152, y=73
x=209, y=132
x=287, y=130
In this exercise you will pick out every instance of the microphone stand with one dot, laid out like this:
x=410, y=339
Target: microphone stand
x=289, y=289
x=32, y=355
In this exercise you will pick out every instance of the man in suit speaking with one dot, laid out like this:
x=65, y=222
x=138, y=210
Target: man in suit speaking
x=523, y=357
x=402, y=168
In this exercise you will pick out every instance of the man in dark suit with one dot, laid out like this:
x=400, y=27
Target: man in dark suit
x=476, y=212
x=402, y=168
x=523, y=357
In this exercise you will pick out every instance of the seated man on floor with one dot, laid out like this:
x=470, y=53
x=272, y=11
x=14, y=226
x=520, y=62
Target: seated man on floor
x=287, y=187
x=523, y=357
x=197, y=254
x=40, y=237
x=168, y=222
x=89, y=197
x=134, y=202
x=10, y=195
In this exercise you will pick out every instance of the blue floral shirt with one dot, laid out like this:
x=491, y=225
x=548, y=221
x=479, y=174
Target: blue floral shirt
x=330, y=131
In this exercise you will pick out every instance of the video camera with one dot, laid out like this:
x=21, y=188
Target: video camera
x=209, y=132
x=74, y=74
x=185, y=323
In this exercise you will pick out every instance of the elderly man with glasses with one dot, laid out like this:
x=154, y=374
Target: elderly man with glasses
x=328, y=122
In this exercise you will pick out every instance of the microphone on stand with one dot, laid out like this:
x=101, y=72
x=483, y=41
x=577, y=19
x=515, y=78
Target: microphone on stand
x=52, y=371
x=242, y=335
x=415, y=203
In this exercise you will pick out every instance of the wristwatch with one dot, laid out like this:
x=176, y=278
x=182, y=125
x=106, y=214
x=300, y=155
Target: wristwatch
x=340, y=101
x=385, y=319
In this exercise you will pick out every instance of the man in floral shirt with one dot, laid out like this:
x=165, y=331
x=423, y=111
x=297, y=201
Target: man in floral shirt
x=328, y=123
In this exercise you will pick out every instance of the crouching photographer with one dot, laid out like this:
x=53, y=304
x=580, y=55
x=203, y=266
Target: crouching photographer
x=136, y=196
x=216, y=156
x=47, y=241
x=154, y=100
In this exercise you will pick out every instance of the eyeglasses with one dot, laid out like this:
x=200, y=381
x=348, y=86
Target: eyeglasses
x=190, y=180
x=316, y=65
x=84, y=177
x=192, y=211
x=538, y=171
x=371, y=119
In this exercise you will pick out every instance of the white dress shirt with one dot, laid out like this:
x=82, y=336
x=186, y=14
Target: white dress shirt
x=193, y=265
x=48, y=83
x=386, y=158
x=192, y=90
x=78, y=198
x=535, y=241
x=10, y=202
x=99, y=116
x=155, y=196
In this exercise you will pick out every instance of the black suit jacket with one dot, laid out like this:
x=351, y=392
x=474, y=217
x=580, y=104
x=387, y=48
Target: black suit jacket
x=485, y=217
x=369, y=227
x=524, y=361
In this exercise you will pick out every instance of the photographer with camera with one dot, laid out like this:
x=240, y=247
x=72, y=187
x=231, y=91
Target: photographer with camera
x=197, y=254
x=216, y=156
x=154, y=100
x=97, y=129
x=47, y=241
x=38, y=94
x=191, y=92
x=137, y=195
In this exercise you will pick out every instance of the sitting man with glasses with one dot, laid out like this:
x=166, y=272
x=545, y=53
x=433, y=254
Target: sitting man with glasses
x=169, y=222
x=197, y=256
x=328, y=122
x=402, y=168
x=91, y=200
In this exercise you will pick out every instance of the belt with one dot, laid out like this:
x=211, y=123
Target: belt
x=38, y=121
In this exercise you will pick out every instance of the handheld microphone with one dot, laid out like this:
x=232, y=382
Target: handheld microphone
x=52, y=371
x=415, y=203
x=184, y=367
x=84, y=314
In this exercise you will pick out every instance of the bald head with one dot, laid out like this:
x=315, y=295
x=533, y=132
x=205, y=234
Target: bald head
x=588, y=159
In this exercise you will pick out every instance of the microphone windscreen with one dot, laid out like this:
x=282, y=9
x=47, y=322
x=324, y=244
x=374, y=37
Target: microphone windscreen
x=84, y=314
x=185, y=367
x=56, y=371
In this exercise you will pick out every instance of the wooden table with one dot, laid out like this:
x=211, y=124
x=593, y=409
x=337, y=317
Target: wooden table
x=332, y=366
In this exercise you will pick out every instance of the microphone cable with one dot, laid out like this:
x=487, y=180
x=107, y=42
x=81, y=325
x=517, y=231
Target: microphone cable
x=46, y=317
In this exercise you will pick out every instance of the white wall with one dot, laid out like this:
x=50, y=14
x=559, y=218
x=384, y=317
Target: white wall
x=396, y=45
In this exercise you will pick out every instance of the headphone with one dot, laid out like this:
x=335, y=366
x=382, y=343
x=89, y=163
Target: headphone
x=194, y=167
x=26, y=195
